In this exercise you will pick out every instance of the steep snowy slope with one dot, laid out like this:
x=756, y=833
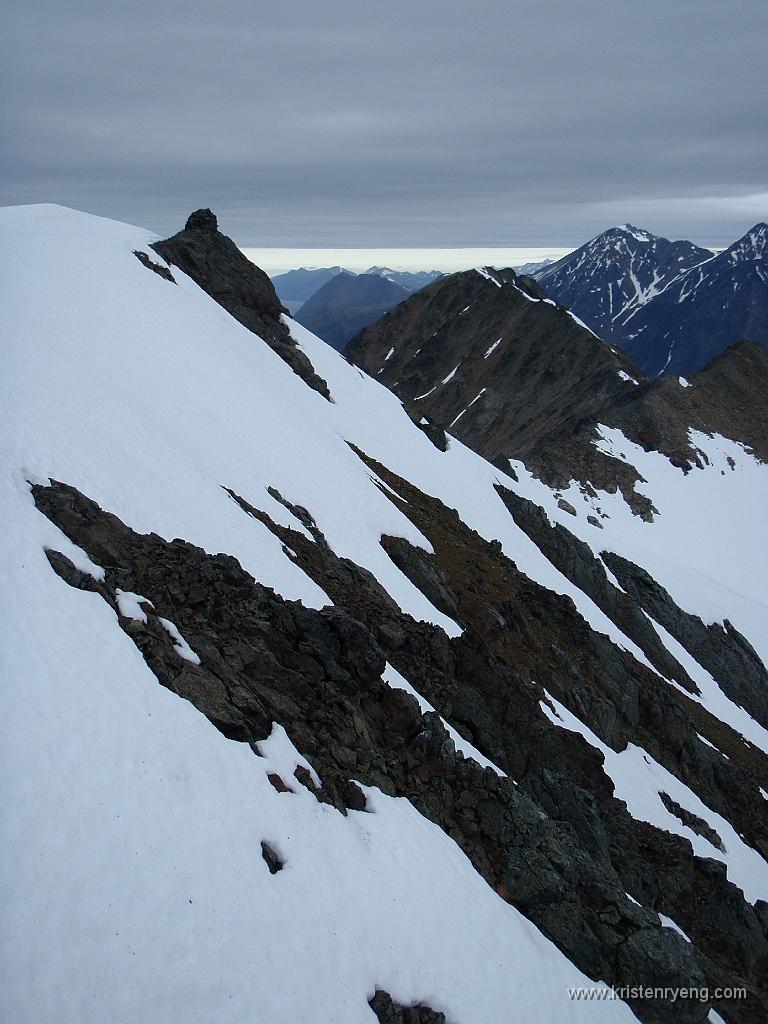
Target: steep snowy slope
x=616, y=273
x=149, y=441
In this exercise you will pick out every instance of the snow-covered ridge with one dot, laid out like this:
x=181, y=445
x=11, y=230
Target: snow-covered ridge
x=143, y=820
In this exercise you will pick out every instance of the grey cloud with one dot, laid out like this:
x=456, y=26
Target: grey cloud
x=421, y=123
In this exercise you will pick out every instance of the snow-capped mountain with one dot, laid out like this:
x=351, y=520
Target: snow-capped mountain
x=705, y=309
x=616, y=273
x=309, y=716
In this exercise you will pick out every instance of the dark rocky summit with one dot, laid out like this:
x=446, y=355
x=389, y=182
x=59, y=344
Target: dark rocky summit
x=513, y=375
x=214, y=262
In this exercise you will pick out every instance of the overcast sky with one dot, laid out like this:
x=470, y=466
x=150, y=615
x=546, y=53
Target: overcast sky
x=334, y=123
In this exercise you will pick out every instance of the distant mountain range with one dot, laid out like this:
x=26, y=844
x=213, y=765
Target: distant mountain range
x=672, y=306
x=296, y=286
x=412, y=280
x=347, y=303
x=535, y=267
x=341, y=310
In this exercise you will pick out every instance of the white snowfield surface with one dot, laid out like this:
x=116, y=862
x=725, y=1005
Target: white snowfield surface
x=132, y=885
x=706, y=546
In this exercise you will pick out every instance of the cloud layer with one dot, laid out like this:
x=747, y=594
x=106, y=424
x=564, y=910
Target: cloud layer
x=393, y=124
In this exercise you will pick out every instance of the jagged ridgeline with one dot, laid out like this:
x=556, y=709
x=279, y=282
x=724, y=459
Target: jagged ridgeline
x=488, y=357
x=331, y=702
x=672, y=306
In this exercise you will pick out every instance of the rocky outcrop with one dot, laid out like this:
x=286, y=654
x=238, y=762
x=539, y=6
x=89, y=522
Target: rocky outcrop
x=157, y=268
x=215, y=263
x=389, y=1012
x=271, y=858
x=429, y=579
x=693, y=821
x=554, y=842
x=433, y=430
x=575, y=560
x=720, y=649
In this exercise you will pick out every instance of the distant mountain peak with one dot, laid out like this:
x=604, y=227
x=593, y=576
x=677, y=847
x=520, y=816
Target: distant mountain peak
x=347, y=303
x=639, y=233
x=613, y=275
x=312, y=270
x=706, y=308
x=752, y=245
x=412, y=280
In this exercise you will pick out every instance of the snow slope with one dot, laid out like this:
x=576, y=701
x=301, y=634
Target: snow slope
x=704, y=546
x=130, y=888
